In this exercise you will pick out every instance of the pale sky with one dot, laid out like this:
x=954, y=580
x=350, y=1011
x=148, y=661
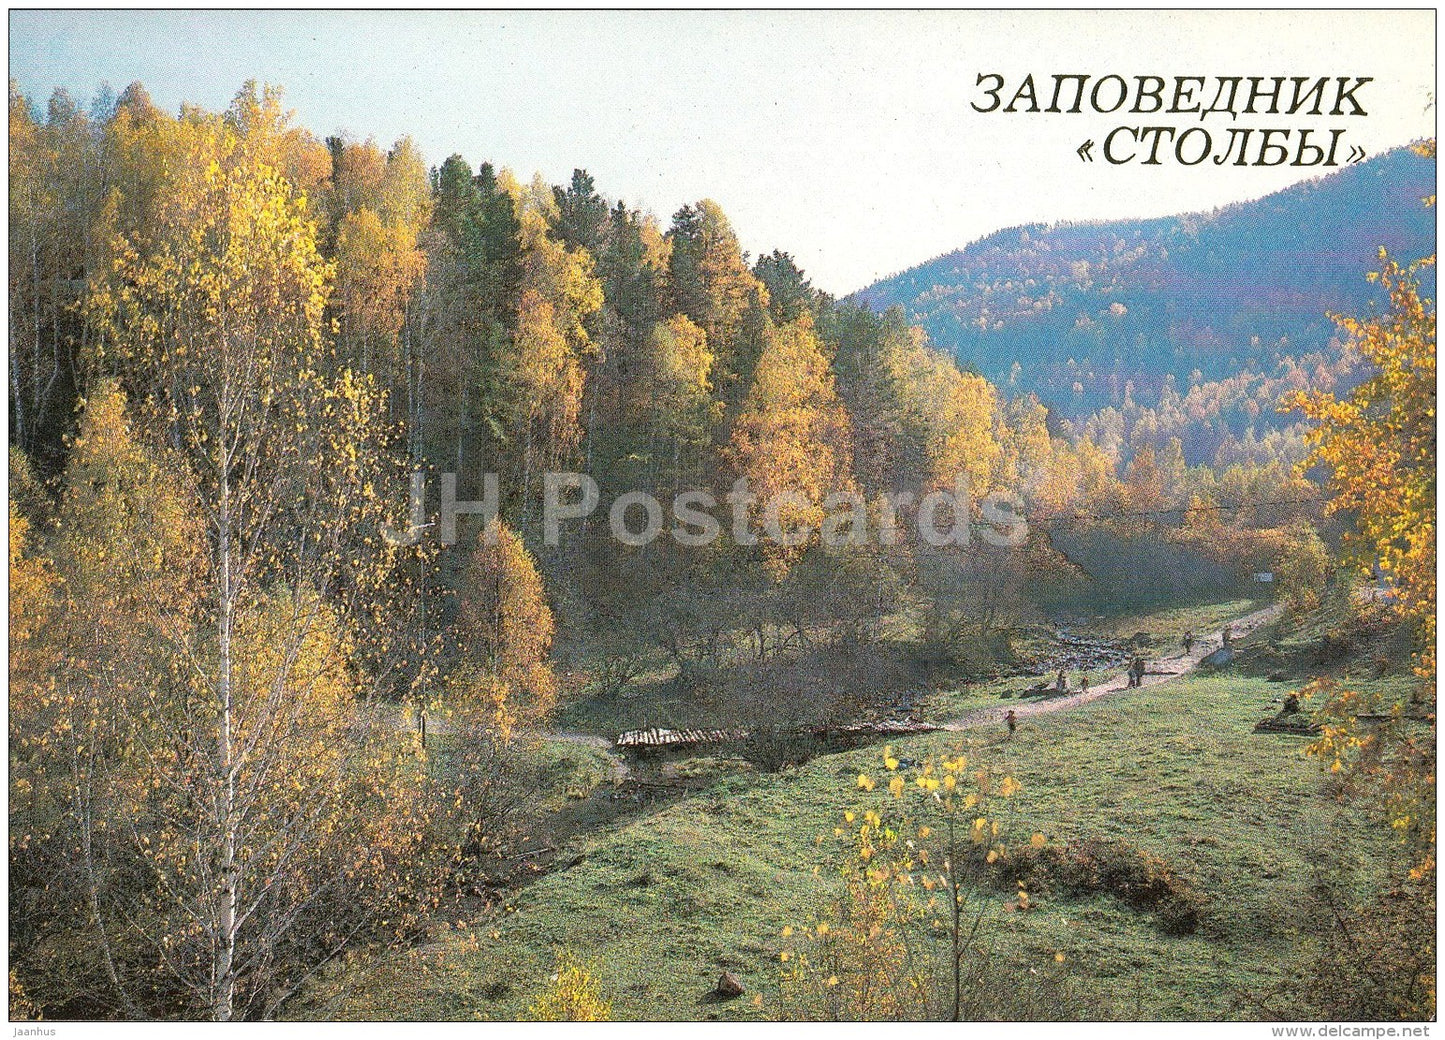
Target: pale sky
x=844, y=138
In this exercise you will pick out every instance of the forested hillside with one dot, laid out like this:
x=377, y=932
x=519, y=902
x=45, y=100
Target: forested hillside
x=1075, y=312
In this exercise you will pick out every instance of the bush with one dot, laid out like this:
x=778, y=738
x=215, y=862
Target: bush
x=1141, y=880
x=1303, y=569
x=911, y=937
x=574, y=994
x=859, y=966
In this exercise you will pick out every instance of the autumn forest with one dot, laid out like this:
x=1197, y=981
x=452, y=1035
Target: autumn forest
x=295, y=717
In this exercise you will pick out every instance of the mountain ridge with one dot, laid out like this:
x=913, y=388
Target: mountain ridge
x=1090, y=306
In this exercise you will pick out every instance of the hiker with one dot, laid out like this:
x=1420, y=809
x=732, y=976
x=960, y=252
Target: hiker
x=1013, y=722
x=1189, y=641
x=1227, y=636
x=1061, y=683
x=1083, y=682
x=1136, y=671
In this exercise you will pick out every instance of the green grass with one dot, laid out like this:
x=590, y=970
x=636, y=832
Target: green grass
x=571, y=771
x=662, y=904
x=950, y=703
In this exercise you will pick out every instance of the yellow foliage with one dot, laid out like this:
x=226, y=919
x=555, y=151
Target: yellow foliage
x=574, y=994
x=32, y=584
x=377, y=267
x=866, y=961
x=506, y=629
x=792, y=440
x=548, y=374
x=21, y=1007
x=857, y=968
x=678, y=379
x=130, y=544
x=1378, y=445
x=725, y=288
x=210, y=708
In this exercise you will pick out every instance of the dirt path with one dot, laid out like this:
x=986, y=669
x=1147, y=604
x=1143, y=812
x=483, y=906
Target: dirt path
x=1161, y=670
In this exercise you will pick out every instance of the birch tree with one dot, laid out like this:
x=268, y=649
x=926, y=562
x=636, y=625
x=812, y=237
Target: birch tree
x=215, y=317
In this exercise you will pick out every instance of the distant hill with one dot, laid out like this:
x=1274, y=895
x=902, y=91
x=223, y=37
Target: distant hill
x=1074, y=311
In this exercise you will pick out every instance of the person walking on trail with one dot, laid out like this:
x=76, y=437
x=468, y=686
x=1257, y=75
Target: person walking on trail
x=1061, y=682
x=1227, y=636
x=1012, y=720
x=1136, y=672
x=1189, y=642
x=1083, y=682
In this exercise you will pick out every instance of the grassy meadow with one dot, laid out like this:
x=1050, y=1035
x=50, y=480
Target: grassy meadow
x=661, y=903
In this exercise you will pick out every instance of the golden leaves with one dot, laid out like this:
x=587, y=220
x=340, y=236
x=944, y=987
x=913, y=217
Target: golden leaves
x=574, y=994
x=1378, y=445
x=792, y=440
x=508, y=625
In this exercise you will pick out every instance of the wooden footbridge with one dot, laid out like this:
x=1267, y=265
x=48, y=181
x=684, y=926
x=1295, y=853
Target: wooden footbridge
x=656, y=742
